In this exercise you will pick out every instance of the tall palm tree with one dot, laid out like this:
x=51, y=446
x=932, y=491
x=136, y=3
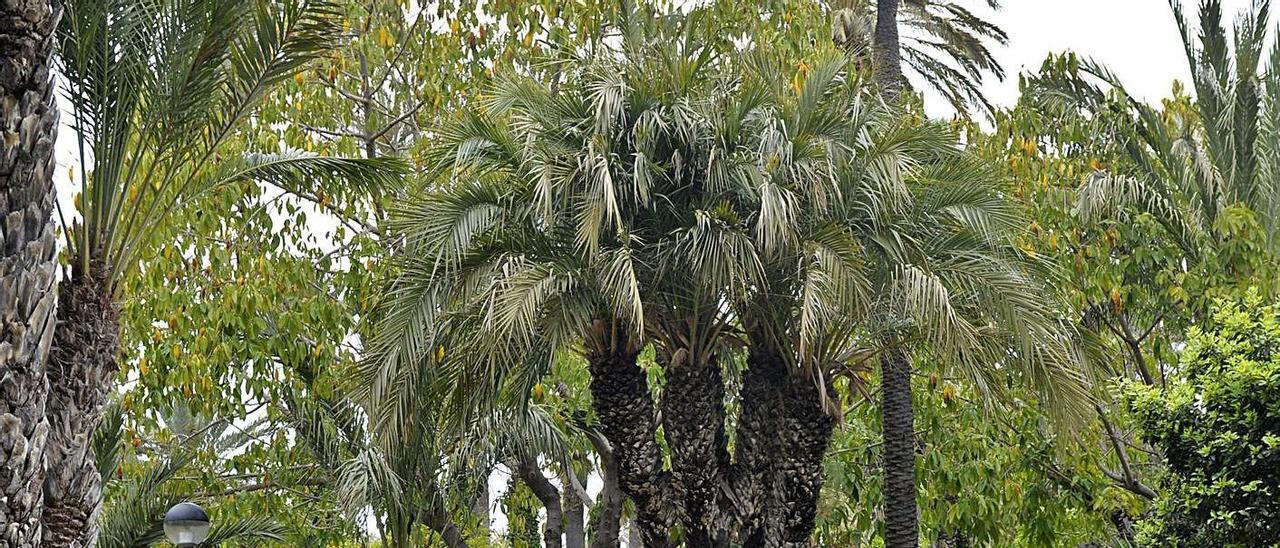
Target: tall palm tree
x=158, y=91
x=28, y=278
x=943, y=42
x=1188, y=172
x=953, y=285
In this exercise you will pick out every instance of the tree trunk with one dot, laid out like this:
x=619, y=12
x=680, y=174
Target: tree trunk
x=693, y=423
x=757, y=449
x=82, y=369
x=806, y=432
x=620, y=397
x=783, y=434
x=899, y=460
x=609, y=516
x=28, y=281
x=575, y=522
x=437, y=519
x=888, y=52
x=547, y=493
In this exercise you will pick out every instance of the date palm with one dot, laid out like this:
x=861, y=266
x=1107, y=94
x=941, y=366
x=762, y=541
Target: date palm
x=28, y=277
x=942, y=42
x=1186, y=173
x=158, y=93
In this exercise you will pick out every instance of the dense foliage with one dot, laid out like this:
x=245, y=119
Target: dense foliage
x=509, y=273
x=1218, y=428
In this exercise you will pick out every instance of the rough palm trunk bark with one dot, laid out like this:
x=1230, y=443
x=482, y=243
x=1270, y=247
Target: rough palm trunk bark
x=28, y=294
x=547, y=493
x=693, y=423
x=621, y=399
x=806, y=432
x=81, y=371
x=888, y=52
x=758, y=445
x=899, y=460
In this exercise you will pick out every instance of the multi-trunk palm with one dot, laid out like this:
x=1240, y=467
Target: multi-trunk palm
x=664, y=196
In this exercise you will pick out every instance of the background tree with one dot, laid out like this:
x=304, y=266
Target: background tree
x=1217, y=430
x=156, y=95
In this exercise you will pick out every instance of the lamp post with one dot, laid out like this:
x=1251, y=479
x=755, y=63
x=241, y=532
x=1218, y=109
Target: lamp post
x=186, y=525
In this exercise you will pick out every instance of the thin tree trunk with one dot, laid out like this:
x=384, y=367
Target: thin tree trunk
x=634, y=538
x=608, y=521
x=82, y=369
x=437, y=519
x=620, y=397
x=547, y=493
x=888, y=52
x=899, y=460
x=693, y=423
x=28, y=282
x=575, y=517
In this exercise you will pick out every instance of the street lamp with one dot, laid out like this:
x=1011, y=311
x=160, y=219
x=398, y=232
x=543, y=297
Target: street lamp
x=186, y=525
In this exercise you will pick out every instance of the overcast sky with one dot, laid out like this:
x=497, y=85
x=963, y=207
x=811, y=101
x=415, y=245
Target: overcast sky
x=1136, y=39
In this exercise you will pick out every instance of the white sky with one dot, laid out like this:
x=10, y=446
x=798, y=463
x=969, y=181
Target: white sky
x=1136, y=39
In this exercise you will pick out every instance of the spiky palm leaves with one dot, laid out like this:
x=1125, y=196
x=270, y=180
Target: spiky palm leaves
x=1186, y=169
x=158, y=91
x=662, y=195
x=135, y=518
x=946, y=44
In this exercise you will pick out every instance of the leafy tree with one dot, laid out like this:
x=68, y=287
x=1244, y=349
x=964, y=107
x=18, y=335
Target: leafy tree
x=157, y=93
x=27, y=258
x=1219, y=432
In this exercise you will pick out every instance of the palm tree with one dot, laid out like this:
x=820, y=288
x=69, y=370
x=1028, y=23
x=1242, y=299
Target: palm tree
x=944, y=43
x=1188, y=172
x=28, y=296
x=158, y=91
x=953, y=284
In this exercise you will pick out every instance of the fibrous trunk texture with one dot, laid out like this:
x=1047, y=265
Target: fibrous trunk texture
x=693, y=423
x=888, y=52
x=783, y=435
x=81, y=370
x=806, y=432
x=899, y=461
x=620, y=397
x=28, y=294
x=755, y=484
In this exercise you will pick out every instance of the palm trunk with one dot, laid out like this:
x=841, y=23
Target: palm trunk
x=757, y=449
x=888, y=52
x=620, y=397
x=547, y=493
x=28, y=282
x=82, y=368
x=806, y=432
x=899, y=460
x=693, y=423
